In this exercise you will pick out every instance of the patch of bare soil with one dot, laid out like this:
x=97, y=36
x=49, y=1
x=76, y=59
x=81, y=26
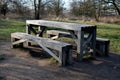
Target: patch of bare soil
x=34, y=64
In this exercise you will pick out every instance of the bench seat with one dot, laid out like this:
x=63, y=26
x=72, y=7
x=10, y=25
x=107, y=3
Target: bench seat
x=53, y=34
x=102, y=45
x=65, y=50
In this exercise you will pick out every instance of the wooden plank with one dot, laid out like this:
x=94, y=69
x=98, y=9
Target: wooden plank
x=94, y=42
x=61, y=33
x=54, y=34
x=44, y=43
x=19, y=41
x=73, y=36
x=102, y=39
x=69, y=60
x=55, y=24
x=28, y=29
x=88, y=39
x=102, y=47
x=47, y=50
x=39, y=28
x=80, y=48
x=47, y=42
x=53, y=44
x=50, y=43
x=12, y=40
x=62, y=56
x=54, y=37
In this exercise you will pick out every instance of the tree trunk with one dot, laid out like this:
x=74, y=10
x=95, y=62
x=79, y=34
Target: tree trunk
x=39, y=9
x=116, y=7
x=35, y=8
x=96, y=11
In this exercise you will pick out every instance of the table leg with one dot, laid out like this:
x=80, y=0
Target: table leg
x=28, y=29
x=94, y=42
x=80, y=39
x=39, y=28
x=28, y=32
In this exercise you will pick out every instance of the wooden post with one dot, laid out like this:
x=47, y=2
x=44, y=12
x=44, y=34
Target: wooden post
x=107, y=48
x=80, y=36
x=15, y=41
x=62, y=57
x=70, y=56
x=28, y=29
x=28, y=32
x=12, y=40
x=94, y=41
x=41, y=30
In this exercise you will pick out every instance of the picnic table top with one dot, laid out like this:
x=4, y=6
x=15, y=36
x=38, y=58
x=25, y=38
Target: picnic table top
x=56, y=24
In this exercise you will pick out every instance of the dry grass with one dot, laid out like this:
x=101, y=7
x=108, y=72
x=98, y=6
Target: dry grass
x=112, y=19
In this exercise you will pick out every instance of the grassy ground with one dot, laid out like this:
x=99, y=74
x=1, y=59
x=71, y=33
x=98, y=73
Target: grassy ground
x=9, y=26
x=104, y=30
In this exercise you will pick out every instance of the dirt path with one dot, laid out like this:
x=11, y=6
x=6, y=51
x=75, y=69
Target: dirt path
x=20, y=65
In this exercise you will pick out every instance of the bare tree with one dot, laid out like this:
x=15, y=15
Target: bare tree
x=97, y=9
x=16, y=6
x=75, y=8
x=4, y=7
x=116, y=4
x=38, y=7
x=55, y=7
x=88, y=8
x=82, y=7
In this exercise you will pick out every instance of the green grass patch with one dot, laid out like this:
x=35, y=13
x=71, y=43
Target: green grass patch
x=9, y=26
x=88, y=56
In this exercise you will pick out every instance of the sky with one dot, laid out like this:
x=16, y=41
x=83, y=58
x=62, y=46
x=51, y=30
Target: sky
x=66, y=3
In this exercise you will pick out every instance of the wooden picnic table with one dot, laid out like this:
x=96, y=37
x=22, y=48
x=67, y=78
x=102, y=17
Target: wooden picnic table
x=78, y=32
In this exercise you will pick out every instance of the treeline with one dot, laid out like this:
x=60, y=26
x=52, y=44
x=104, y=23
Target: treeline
x=95, y=8
x=38, y=9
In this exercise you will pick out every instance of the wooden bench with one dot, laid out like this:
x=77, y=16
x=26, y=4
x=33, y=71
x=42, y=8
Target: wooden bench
x=64, y=55
x=54, y=34
x=102, y=45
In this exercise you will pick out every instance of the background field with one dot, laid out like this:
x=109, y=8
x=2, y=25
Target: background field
x=104, y=30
